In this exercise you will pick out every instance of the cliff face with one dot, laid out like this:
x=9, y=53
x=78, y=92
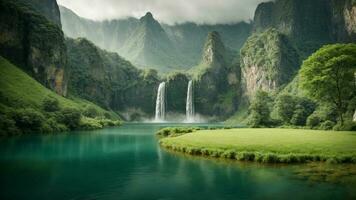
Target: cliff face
x=268, y=60
x=33, y=43
x=108, y=80
x=215, y=79
x=344, y=20
x=47, y=8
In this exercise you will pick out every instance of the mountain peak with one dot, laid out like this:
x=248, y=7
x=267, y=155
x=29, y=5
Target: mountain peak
x=214, y=49
x=148, y=17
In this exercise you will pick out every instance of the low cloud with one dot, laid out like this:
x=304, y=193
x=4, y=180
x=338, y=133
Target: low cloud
x=167, y=11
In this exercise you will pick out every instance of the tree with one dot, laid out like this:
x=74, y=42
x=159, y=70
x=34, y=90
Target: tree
x=260, y=110
x=329, y=76
x=284, y=107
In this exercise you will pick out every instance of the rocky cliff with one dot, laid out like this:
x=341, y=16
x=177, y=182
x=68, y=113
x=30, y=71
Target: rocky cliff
x=268, y=60
x=33, y=43
x=47, y=8
x=216, y=79
x=344, y=20
x=108, y=80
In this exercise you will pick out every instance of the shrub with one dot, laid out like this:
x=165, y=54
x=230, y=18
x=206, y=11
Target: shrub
x=313, y=121
x=260, y=110
x=8, y=125
x=299, y=116
x=28, y=119
x=90, y=111
x=50, y=104
x=90, y=124
x=347, y=126
x=284, y=106
x=327, y=125
x=70, y=117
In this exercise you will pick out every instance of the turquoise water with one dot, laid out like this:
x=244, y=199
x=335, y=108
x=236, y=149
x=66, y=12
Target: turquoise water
x=127, y=163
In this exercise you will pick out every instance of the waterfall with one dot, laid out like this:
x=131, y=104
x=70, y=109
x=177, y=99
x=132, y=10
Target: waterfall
x=161, y=102
x=189, y=108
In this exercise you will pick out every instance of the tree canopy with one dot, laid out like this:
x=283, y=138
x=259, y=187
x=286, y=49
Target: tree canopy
x=329, y=75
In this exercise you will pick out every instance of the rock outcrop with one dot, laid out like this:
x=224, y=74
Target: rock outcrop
x=216, y=79
x=33, y=43
x=268, y=60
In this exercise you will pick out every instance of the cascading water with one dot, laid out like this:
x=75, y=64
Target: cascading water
x=189, y=108
x=161, y=102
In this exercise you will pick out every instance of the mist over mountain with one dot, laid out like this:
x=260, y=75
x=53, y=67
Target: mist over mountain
x=149, y=44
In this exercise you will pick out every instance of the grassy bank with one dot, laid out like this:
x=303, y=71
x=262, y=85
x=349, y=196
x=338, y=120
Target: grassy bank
x=28, y=106
x=268, y=145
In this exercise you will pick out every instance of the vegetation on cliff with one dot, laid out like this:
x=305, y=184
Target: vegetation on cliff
x=34, y=44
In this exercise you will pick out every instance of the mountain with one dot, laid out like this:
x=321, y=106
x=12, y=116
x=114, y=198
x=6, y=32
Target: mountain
x=268, y=60
x=33, y=43
x=286, y=32
x=110, y=35
x=133, y=39
x=149, y=45
x=308, y=24
x=216, y=79
x=109, y=80
x=47, y=8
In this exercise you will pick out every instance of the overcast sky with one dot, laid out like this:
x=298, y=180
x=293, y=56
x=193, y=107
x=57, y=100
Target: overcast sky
x=167, y=11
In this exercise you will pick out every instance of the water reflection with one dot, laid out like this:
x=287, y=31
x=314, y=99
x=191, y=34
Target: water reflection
x=127, y=163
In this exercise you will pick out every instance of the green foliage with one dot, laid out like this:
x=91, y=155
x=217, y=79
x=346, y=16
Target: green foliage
x=28, y=119
x=327, y=125
x=27, y=106
x=285, y=106
x=8, y=125
x=70, y=117
x=328, y=76
x=90, y=111
x=50, y=104
x=260, y=110
x=313, y=121
x=175, y=131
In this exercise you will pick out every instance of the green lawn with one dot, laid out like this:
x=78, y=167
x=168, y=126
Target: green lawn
x=268, y=145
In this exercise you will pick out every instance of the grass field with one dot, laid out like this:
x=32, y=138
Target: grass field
x=19, y=90
x=268, y=145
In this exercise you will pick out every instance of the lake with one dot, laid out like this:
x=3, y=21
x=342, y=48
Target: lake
x=127, y=163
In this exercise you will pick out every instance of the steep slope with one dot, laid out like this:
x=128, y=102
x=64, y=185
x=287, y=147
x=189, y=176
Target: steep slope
x=33, y=43
x=22, y=105
x=110, y=35
x=149, y=45
x=216, y=79
x=309, y=24
x=47, y=8
x=190, y=38
x=268, y=60
x=108, y=80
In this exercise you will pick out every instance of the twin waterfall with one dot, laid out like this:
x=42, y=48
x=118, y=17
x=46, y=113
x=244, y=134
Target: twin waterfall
x=161, y=103
x=189, y=107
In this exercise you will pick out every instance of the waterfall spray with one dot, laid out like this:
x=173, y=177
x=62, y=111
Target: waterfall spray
x=161, y=102
x=189, y=108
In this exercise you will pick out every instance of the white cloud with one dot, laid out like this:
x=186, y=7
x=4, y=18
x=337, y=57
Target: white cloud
x=167, y=11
